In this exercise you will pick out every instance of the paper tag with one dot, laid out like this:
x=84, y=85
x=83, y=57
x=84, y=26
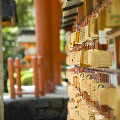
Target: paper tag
x=102, y=37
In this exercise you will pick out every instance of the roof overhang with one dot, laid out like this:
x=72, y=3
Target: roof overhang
x=9, y=17
x=26, y=36
x=70, y=11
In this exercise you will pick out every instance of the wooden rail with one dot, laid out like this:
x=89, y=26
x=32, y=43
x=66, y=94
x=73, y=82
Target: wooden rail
x=17, y=68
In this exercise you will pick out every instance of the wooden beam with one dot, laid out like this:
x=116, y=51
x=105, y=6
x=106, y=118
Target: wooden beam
x=80, y=13
x=1, y=68
x=10, y=22
x=117, y=56
x=114, y=34
x=6, y=23
x=117, y=51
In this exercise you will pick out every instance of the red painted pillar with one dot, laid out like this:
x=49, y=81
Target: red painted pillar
x=44, y=42
x=18, y=78
x=41, y=82
x=36, y=82
x=55, y=19
x=11, y=77
x=57, y=55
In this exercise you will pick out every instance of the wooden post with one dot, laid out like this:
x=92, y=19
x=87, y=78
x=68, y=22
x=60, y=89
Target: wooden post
x=84, y=8
x=11, y=77
x=44, y=42
x=55, y=19
x=58, y=57
x=41, y=82
x=36, y=82
x=117, y=56
x=18, y=78
x=117, y=51
x=100, y=46
x=80, y=13
x=1, y=68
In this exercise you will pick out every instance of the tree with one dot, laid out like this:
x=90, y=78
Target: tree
x=25, y=13
x=9, y=35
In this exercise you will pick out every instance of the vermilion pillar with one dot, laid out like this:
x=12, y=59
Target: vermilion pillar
x=57, y=55
x=11, y=77
x=36, y=82
x=18, y=78
x=44, y=42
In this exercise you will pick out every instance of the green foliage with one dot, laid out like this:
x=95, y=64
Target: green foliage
x=26, y=79
x=25, y=13
x=9, y=35
x=24, y=72
x=63, y=73
x=62, y=40
x=8, y=85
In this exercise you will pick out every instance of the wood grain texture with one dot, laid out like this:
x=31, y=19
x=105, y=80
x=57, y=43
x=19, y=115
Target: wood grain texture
x=1, y=68
x=117, y=56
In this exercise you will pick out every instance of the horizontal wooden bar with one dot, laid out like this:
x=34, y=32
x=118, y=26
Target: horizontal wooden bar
x=69, y=21
x=7, y=23
x=18, y=93
x=71, y=15
x=114, y=33
x=68, y=25
x=22, y=66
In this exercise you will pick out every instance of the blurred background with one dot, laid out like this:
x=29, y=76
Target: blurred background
x=19, y=39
